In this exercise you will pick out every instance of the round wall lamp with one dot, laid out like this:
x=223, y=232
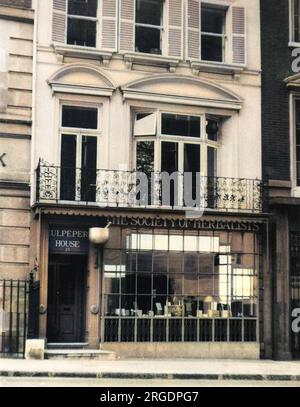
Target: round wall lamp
x=99, y=236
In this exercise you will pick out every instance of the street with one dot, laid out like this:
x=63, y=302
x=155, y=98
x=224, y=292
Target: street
x=69, y=382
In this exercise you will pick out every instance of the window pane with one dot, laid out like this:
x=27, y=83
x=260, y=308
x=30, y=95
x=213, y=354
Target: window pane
x=86, y=8
x=212, y=48
x=148, y=40
x=88, y=168
x=212, y=20
x=80, y=117
x=149, y=12
x=145, y=157
x=191, y=170
x=211, y=162
x=81, y=32
x=212, y=129
x=180, y=125
x=68, y=167
x=169, y=157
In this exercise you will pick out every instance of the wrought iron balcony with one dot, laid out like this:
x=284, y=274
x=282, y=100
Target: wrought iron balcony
x=115, y=188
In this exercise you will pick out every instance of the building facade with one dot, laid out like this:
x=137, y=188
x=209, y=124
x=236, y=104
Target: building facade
x=127, y=94
x=16, y=62
x=280, y=76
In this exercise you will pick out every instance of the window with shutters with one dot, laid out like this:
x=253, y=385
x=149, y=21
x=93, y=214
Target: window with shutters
x=213, y=33
x=149, y=26
x=82, y=22
x=295, y=20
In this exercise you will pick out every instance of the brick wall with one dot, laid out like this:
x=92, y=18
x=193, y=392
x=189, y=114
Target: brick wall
x=276, y=65
x=16, y=3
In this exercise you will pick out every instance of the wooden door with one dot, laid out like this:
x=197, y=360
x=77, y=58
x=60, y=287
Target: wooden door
x=65, y=302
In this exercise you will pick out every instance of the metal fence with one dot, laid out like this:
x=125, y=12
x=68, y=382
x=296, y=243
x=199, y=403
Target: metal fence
x=119, y=188
x=13, y=317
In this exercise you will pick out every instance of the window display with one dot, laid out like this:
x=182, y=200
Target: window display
x=181, y=276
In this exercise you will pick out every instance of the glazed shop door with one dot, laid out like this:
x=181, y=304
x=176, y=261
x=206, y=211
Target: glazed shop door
x=66, y=289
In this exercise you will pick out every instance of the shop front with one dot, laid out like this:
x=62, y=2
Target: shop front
x=160, y=286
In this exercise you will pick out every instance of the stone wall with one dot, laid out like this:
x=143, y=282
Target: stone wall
x=16, y=39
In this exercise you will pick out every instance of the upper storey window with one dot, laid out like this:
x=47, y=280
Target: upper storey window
x=82, y=22
x=295, y=20
x=149, y=26
x=213, y=33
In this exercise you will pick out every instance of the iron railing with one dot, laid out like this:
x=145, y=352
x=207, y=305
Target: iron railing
x=188, y=329
x=114, y=188
x=19, y=315
x=13, y=317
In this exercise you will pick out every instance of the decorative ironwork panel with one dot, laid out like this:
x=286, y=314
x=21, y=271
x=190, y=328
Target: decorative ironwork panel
x=190, y=330
x=221, y=329
x=122, y=188
x=235, y=330
x=111, y=330
x=175, y=330
x=205, y=330
x=159, y=330
x=127, y=329
x=249, y=330
x=144, y=330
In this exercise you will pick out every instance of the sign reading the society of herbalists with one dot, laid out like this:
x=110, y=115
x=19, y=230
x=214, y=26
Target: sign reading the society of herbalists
x=68, y=240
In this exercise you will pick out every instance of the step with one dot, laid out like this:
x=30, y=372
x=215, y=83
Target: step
x=70, y=345
x=79, y=354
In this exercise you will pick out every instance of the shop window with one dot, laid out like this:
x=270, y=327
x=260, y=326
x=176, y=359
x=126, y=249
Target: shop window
x=149, y=26
x=82, y=22
x=183, y=292
x=213, y=33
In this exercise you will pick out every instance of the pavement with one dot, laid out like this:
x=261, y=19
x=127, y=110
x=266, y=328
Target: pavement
x=168, y=369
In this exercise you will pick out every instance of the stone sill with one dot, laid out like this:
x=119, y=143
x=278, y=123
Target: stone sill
x=151, y=59
x=83, y=52
x=293, y=44
x=16, y=14
x=213, y=67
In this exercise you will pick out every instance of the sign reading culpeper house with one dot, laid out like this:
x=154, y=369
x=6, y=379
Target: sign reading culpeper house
x=68, y=240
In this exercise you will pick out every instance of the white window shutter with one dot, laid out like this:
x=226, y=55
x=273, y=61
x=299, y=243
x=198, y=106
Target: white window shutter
x=193, y=29
x=145, y=126
x=175, y=28
x=238, y=35
x=59, y=21
x=127, y=15
x=109, y=24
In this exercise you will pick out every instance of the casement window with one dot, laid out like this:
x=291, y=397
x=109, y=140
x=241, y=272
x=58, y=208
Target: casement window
x=216, y=33
x=78, y=158
x=85, y=23
x=169, y=142
x=149, y=26
x=212, y=33
x=295, y=20
x=82, y=22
